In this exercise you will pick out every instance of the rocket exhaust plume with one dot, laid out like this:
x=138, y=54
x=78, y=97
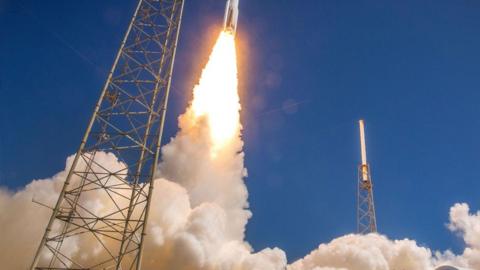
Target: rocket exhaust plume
x=216, y=96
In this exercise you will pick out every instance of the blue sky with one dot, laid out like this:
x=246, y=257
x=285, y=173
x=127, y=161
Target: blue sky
x=308, y=71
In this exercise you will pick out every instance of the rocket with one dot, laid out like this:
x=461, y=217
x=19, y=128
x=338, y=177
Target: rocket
x=231, y=17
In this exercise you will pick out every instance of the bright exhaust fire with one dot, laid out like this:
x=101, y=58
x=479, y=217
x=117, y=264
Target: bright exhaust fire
x=216, y=96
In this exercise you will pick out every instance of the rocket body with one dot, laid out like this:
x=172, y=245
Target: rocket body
x=231, y=17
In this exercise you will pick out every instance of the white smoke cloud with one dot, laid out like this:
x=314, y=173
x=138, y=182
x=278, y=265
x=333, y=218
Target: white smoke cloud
x=467, y=225
x=197, y=219
x=22, y=222
x=199, y=214
x=377, y=252
x=371, y=251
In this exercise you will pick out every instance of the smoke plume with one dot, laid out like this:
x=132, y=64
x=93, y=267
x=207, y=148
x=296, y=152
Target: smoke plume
x=467, y=226
x=372, y=251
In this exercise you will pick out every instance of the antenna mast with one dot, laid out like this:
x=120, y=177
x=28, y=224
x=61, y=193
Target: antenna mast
x=366, y=220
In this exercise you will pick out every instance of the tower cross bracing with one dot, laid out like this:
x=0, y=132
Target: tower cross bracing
x=366, y=219
x=126, y=126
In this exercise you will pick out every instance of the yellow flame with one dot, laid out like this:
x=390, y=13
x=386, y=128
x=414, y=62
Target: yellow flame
x=216, y=95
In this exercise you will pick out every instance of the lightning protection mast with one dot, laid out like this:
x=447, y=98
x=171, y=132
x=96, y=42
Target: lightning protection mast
x=366, y=220
x=99, y=220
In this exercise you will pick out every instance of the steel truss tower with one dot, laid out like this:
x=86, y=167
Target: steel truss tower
x=366, y=220
x=127, y=125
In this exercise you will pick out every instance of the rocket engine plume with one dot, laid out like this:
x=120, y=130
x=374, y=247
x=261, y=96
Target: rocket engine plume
x=216, y=96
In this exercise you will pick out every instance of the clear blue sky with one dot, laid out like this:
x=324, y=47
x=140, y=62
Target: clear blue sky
x=309, y=70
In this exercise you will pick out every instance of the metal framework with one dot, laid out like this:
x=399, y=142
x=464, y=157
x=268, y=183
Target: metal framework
x=103, y=207
x=366, y=220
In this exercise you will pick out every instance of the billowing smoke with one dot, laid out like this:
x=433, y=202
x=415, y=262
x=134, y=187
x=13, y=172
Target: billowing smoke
x=377, y=252
x=200, y=205
x=467, y=225
x=372, y=251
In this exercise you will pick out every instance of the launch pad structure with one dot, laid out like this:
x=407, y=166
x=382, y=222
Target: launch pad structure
x=366, y=219
x=127, y=122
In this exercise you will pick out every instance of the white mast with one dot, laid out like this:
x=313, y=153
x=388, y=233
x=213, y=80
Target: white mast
x=363, y=150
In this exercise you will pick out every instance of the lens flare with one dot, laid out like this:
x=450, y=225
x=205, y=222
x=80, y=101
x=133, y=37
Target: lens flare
x=216, y=95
